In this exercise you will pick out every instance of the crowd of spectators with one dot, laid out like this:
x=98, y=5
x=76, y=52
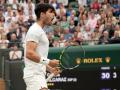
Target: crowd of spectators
x=88, y=22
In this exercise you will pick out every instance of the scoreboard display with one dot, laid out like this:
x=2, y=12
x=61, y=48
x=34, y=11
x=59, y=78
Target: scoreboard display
x=101, y=78
x=98, y=70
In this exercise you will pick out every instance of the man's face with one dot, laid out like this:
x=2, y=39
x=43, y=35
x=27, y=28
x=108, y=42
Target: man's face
x=49, y=16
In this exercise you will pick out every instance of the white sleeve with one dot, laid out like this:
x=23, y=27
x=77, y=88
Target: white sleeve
x=33, y=37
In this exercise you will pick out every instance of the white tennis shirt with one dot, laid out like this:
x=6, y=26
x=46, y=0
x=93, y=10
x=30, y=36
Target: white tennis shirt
x=38, y=35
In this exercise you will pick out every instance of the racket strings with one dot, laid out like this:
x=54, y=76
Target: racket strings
x=68, y=60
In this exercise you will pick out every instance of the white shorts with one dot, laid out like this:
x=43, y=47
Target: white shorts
x=35, y=82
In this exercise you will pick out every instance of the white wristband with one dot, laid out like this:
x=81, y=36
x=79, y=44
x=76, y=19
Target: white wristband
x=44, y=61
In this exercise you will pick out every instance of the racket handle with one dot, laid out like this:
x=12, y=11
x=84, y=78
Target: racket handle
x=50, y=76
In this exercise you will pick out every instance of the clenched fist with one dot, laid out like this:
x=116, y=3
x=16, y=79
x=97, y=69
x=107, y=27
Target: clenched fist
x=56, y=70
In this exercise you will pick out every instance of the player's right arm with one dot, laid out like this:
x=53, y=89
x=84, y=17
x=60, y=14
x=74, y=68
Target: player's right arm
x=32, y=55
x=30, y=51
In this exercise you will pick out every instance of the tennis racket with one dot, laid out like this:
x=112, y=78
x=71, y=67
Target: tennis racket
x=69, y=58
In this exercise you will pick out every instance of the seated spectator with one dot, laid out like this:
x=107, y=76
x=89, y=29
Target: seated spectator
x=61, y=11
x=92, y=21
x=104, y=39
x=13, y=41
x=116, y=8
x=4, y=42
x=72, y=26
x=24, y=29
x=115, y=38
x=117, y=29
x=15, y=53
x=95, y=5
x=62, y=40
x=54, y=3
x=64, y=23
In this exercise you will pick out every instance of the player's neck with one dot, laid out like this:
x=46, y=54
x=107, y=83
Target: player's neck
x=40, y=23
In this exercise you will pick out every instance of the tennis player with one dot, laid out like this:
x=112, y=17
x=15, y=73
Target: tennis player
x=36, y=50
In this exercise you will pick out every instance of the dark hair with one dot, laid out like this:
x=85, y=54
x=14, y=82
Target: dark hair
x=44, y=7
